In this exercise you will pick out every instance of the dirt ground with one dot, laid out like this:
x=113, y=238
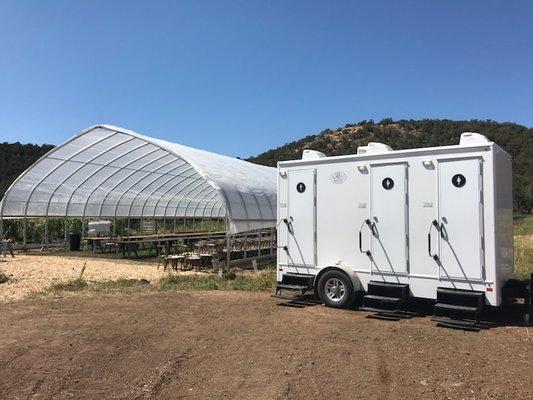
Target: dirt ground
x=227, y=345
x=29, y=274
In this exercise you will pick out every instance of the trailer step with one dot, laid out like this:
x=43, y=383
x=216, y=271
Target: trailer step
x=382, y=313
x=384, y=299
x=455, y=308
x=468, y=298
x=286, y=286
x=388, y=289
x=459, y=324
x=298, y=279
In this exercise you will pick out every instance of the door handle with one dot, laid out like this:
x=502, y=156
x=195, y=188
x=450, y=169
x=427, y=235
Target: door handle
x=367, y=222
x=435, y=224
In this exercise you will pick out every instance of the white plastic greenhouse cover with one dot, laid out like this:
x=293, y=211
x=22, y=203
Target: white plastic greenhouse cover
x=107, y=171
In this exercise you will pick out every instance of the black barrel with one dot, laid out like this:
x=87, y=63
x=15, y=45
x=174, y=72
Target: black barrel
x=75, y=241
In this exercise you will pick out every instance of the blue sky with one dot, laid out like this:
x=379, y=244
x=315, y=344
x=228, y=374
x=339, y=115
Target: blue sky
x=240, y=77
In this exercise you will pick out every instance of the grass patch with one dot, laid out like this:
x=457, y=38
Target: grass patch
x=80, y=284
x=523, y=246
x=264, y=281
x=73, y=285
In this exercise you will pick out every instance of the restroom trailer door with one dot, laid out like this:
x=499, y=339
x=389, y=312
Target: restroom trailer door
x=460, y=216
x=301, y=218
x=388, y=216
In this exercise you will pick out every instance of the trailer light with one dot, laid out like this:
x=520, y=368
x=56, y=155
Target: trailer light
x=428, y=164
x=489, y=289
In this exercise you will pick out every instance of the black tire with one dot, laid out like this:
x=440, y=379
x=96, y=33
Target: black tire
x=331, y=294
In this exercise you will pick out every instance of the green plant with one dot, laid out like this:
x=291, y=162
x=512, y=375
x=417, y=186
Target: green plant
x=73, y=285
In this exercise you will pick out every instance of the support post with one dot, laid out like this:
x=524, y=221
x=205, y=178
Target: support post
x=24, y=233
x=45, y=232
x=1, y=227
x=65, y=232
x=228, y=250
x=271, y=240
x=174, y=230
x=129, y=225
x=114, y=227
x=259, y=243
x=245, y=245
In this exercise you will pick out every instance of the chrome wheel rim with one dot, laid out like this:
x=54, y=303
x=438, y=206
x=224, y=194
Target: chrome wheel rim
x=335, y=289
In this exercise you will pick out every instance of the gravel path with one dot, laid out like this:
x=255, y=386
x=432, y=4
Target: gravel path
x=29, y=274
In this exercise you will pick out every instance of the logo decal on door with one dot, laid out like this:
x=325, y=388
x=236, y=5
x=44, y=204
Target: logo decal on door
x=458, y=180
x=300, y=187
x=387, y=183
x=338, y=177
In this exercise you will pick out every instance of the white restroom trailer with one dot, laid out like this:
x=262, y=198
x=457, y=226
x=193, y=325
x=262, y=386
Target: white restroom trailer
x=417, y=221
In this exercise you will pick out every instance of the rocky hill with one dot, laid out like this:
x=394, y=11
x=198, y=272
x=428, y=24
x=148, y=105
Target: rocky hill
x=517, y=140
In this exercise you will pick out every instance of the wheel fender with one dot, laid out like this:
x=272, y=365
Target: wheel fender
x=357, y=285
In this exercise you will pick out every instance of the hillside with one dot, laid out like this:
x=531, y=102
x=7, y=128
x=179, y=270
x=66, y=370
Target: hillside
x=517, y=140
x=15, y=158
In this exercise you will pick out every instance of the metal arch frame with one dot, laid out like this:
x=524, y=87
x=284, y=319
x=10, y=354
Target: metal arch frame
x=175, y=195
x=222, y=205
x=213, y=207
x=58, y=166
x=78, y=169
x=183, y=178
x=207, y=202
x=95, y=172
x=123, y=180
x=113, y=174
x=159, y=187
x=43, y=157
x=186, y=194
x=145, y=187
x=148, y=173
x=199, y=199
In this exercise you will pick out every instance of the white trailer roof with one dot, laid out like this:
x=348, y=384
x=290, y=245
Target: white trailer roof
x=107, y=171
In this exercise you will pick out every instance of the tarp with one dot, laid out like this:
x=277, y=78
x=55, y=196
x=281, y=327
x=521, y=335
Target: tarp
x=107, y=171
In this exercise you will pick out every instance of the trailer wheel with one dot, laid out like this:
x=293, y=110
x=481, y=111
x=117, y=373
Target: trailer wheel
x=335, y=289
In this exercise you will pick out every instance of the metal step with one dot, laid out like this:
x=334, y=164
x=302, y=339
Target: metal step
x=384, y=299
x=382, y=313
x=456, y=308
x=286, y=286
x=459, y=324
x=468, y=298
x=388, y=289
x=298, y=279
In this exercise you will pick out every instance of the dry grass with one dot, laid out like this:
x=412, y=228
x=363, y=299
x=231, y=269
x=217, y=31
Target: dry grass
x=523, y=247
x=30, y=274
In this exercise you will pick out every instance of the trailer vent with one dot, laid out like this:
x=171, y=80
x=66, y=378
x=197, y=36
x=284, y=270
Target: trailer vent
x=312, y=155
x=472, y=138
x=374, y=148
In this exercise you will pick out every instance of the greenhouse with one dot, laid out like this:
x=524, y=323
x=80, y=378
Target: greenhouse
x=107, y=172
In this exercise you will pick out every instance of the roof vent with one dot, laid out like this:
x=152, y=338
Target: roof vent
x=472, y=138
x=312, y=155
x=374, y=148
